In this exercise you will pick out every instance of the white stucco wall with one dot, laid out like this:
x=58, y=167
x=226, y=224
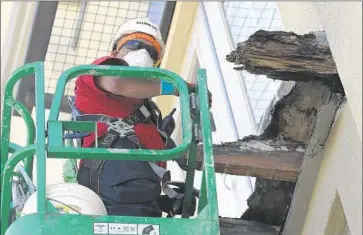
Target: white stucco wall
x=342, y=22
x=340, y=173
x=341, y=170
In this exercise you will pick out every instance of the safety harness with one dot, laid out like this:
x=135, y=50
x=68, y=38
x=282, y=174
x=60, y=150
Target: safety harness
x=124, y=128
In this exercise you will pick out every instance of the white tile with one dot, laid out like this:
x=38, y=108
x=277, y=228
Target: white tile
x=243, y=12
x=60, y=13
x=141, y=14
x=251, y=22
x=83, y=43
x=124, y=5
x=235, y=30
x=263, y=23
x=56, y=30
x=134, y=6
x=94, y=45
x=95, y=36
x=58, y=22
x=263, y=104
x=108, y=29
x=104, y=3
x=101, y=19
x=89, y=17
x=80, y=60
x=67, y=32
x=91, y=8
x=255, y=94
x=92, y=53
x=104, y=45
x=54, y=39
x=63, y=49
x=113, y=4
x=259, y=5
x=276, y=23
x=71, y=14
x=144, y=6
x=131, y=14
x=256, y=13
x=259, y=85
x=103, y=10
x=244, y=4
x=68, y=23
x=121, y=15
x=268, y=13
x=60, y=58
x=239, y=21
x=50, y=57
x=271, y=5
x=70, y=58
x=112, y=12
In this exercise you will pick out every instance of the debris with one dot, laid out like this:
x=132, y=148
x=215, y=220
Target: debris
x=287, y=56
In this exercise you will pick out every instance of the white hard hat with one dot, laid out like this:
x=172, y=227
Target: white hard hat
x=143, y=25
x=68, y=198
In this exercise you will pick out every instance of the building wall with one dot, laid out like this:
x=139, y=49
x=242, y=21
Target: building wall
x=343, y=25
x=12, y=55
x=340, y=175
x=176, y=46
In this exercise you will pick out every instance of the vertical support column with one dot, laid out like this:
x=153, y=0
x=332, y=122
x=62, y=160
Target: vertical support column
x=310, y=169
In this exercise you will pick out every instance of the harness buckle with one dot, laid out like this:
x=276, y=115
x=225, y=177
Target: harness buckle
x=121, y=127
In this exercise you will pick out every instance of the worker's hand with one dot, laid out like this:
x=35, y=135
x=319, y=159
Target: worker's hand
x=192, y=89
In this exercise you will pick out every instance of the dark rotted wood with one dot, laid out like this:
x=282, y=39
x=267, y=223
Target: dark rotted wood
x=287, y=56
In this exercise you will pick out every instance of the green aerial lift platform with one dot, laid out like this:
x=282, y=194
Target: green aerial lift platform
x=45, y=140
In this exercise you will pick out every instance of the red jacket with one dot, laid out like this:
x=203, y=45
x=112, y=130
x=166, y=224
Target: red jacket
x=92, y=100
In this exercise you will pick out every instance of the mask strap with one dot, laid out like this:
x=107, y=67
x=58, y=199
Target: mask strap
x=135, y=36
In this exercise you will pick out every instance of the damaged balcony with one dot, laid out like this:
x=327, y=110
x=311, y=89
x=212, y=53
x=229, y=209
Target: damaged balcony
x=290, y=149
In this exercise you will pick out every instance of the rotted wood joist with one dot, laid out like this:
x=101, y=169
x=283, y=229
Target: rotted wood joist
x=263, y=159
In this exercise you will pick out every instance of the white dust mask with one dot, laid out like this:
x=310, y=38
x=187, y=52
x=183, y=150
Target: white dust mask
x=139, y=58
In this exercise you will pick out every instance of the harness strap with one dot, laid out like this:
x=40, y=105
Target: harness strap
x=177, y=195
x=140, y=115
x=123, y=128
x=96, y=166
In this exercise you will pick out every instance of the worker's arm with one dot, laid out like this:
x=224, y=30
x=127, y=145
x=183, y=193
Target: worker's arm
x=132, y=88
x=140, y=88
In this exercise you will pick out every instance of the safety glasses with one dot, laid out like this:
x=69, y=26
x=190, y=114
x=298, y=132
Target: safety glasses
x=137, y=45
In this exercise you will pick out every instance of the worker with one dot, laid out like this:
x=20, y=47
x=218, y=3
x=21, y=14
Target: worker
x=128, y=188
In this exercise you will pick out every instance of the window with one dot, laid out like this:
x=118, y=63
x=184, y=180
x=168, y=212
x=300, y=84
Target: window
x=244, y=19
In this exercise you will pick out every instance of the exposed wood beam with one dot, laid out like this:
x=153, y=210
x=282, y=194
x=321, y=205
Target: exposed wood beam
x=274, y=163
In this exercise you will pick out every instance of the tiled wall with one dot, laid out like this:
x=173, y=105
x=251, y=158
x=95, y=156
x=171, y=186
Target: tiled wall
x=100, y=21
x=245, y=18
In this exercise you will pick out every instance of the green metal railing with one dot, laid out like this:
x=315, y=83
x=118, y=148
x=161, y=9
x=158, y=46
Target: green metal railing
x=53, y=145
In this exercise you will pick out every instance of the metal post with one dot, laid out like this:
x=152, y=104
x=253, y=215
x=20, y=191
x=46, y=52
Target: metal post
x=166, y=19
